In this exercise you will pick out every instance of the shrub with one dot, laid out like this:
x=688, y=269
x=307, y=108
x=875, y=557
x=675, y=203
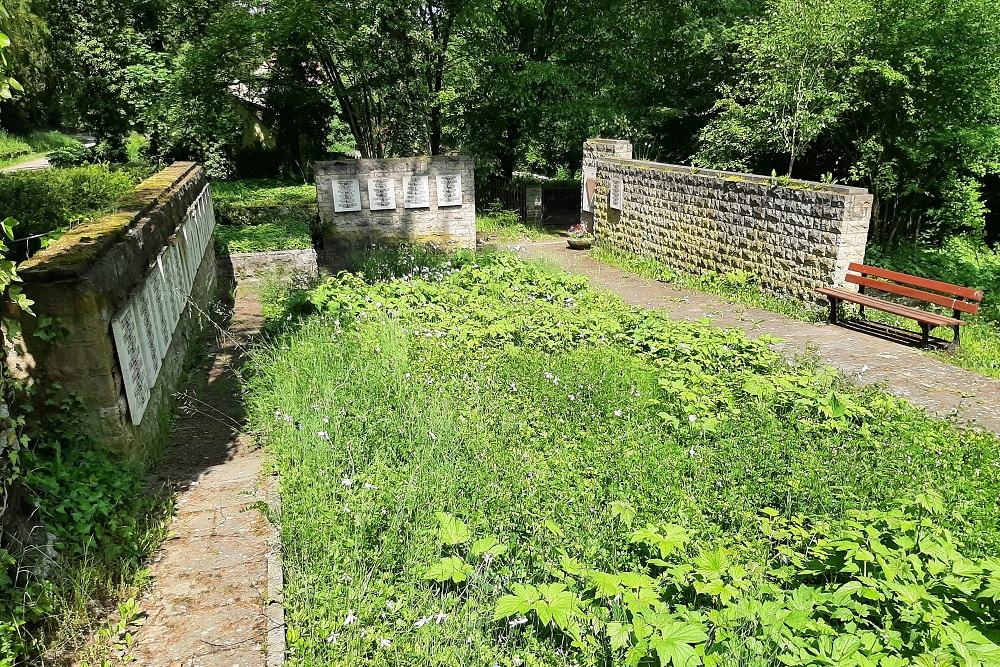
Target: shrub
x=53, y=199
x=12, y=147
x=68, y=156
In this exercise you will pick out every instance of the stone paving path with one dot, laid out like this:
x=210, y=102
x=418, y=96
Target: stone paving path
x=905, y=371
x=208, y=602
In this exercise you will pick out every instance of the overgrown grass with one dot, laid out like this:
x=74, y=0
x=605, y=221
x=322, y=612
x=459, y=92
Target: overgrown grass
x=736, y=285
x=285, y=232
x=263, y=192
x=507, y=226
x=479, y=424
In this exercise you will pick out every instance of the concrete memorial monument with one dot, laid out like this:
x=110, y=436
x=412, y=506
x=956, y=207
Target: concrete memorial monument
x=444, y=214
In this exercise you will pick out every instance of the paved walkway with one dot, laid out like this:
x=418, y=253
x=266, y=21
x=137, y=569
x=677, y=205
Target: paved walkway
x=207, y=604
x=33, y=164
x=907, y=372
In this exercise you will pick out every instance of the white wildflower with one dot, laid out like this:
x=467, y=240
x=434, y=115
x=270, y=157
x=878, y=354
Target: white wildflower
x=520, y=620
x=347, y=481
x=692, y=418
x=369, y=486
x=332, y=638
x=440, y=617
x=618, y=413
x=350, y=618
x=384, y=643
x=422, y=621
x=323, y=435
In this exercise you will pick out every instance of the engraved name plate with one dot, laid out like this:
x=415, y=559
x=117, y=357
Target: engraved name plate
x=381, y=194
x=416, y=192
x=449, y=190
x=346, y=195
x=616, y=194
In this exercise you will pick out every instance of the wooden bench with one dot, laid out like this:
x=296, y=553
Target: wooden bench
x=959, y=299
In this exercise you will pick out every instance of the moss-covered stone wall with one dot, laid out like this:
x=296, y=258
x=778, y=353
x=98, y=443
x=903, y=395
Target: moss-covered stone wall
x=83, y=280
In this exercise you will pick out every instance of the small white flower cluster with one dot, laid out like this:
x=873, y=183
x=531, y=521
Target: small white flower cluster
x=551, y=377
x=438, y=618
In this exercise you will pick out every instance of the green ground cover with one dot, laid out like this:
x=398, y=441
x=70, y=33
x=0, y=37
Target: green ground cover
x=263, y=192
x=284, y=232
x=485, y=461
x=958, y=261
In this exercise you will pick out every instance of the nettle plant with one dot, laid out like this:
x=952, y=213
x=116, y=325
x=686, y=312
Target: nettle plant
x=881, y=588
x=460, y=560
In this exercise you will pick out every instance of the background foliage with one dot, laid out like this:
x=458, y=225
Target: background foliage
x=900, y=96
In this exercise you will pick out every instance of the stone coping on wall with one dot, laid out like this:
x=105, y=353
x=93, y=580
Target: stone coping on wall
x=75, y=253
x=117, y=249
x=737, y=177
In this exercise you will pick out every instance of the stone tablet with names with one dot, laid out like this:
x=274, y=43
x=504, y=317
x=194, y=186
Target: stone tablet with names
x=589, y=186
x=381, y=194
x=416, y=192
x=449, y=190
x=346, y=195
x=615, y=196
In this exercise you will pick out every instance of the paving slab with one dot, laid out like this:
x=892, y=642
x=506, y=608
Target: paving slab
x=904, y=370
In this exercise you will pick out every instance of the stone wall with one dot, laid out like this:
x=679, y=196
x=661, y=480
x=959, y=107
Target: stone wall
x=447, y=226
x=594, y=151
x=88, y=278
x=790, y=236
x=298, y=265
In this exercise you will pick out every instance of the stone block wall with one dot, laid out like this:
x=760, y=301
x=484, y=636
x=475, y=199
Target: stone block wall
x=84, y=280
x=446, y=226
x=790, y=236
x=594, y=151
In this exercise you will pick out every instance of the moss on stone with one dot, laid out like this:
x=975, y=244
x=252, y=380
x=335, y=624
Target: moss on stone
x=81, y=246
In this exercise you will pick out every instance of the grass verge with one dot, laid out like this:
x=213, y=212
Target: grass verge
x=285, y=232
x=487, y=462
x=506, y=226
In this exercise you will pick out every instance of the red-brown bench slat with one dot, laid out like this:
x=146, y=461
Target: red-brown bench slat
x=913, y=293
x=889, y=307
x=916, y=281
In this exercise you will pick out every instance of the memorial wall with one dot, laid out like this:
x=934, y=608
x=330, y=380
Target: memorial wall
x=417, y=200
x=125, y=297
x=789, y=236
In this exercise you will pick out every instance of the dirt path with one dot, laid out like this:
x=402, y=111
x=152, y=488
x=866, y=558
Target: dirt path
x=940, y=387
x=207, y=604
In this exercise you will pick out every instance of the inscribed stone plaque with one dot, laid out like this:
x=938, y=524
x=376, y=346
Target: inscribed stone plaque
x=131, y=361
x=381, y=194
x=589, y=186
x=616, y=194
x=449, y=189
x=416, y=192
x=346, y=195
x=144, y=322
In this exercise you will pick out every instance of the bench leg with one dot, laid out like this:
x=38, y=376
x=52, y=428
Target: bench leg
x=925, y=333
x=833, y=310
x=956, y=342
